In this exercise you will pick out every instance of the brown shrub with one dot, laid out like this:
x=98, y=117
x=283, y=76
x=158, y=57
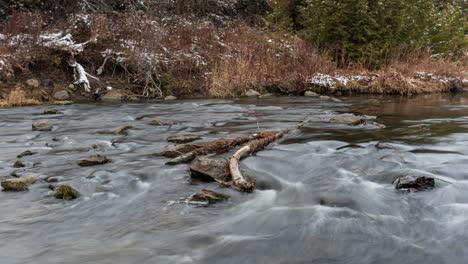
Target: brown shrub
x=17, y=97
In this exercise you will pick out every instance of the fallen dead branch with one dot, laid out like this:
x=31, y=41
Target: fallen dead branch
x=238, y=179
x=217, y=146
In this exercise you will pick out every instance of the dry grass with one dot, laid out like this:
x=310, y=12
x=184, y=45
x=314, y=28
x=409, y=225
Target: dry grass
x=270, y=62
x=17, y=97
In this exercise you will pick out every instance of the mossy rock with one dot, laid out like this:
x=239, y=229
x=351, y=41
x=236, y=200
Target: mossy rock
x=206, y=197
x=66, y=192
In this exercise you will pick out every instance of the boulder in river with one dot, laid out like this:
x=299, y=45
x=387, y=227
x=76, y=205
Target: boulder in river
x=348, y=120
x=18, y=184
x=177, y=150
x=382, y=145
x=66, y=192
x=183, y=138
x=51, y=111
x=61, y=95
x=26, y=153
x=205, y=197
x=210, y=169
x=412, y=183
x=19, y=164
x=41, y=126
x=123, y=130
x=252, y=93
x=93, y=161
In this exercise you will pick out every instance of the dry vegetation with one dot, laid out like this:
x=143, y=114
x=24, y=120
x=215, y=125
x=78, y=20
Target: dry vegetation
x=17, y=97
x=190, y=56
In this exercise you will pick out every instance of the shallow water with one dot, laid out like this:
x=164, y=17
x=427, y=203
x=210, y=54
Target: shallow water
x=325, y=192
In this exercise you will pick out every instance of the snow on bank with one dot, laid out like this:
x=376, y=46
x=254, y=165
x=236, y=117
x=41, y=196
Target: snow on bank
x=328, y=81
x=58, y=40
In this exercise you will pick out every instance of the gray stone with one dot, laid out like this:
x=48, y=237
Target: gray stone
x=51, y=111
x=310, y=94
x=41, y=126
x=34, y=83
x=26, y=153
x=17, y=185
x=170, y=98
x=210, y=169
x=112, y=96
x=19, y=164
x=412, y=183
x=93, y=161
x=61, y=95
x=252, y=93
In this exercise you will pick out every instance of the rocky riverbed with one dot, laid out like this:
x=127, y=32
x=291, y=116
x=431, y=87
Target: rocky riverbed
x=325, y=192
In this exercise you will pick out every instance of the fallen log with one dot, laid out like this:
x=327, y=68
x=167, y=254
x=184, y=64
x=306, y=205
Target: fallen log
x=218, y=146
x=238, y=179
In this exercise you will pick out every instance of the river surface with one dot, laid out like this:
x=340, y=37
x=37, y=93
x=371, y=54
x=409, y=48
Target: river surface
x=325, y=192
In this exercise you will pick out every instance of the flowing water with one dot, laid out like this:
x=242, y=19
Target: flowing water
x=325, y=192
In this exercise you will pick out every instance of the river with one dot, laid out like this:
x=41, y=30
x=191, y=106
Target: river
x=325, y=192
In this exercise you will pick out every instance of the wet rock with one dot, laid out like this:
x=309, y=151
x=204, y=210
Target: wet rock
x=324, y=97
x=19, y=164
x=52, y=179
x=116, y=141
x=252, y=93
x=155, y=123
x=112, y=96
x=63, y=102
x=177, y=150
x=66, y=192
x=413, y=183
x=34, y=83
x=41, y=126
x=123, y=130
x=335, y=99
x=51, y=111
x=18, y=184
x=365, y=122
x=310, y=94
x=206, y=197
x=210, y=169
x=183, y=138
x=26, y=153
x=381, y=145
x=93, y=161
x=347, y=120
x=61, y=95
x=170, y=98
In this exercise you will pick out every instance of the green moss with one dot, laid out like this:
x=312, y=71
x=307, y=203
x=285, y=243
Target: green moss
x=66, y=192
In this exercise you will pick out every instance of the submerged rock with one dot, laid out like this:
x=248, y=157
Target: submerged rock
x=183, y=138
x=267, y=95
x=66, y=192
x=93, y=161
x=19, y=164
x=206, y=197
x=26, y=153
x=415, y=183
x=347, y=120
x=252, y=93
x=41, y=126
x=210, y=169
x=18, y=184
x=51, y=111
x=123, y=130
x=61, y=95
x=177, y=150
